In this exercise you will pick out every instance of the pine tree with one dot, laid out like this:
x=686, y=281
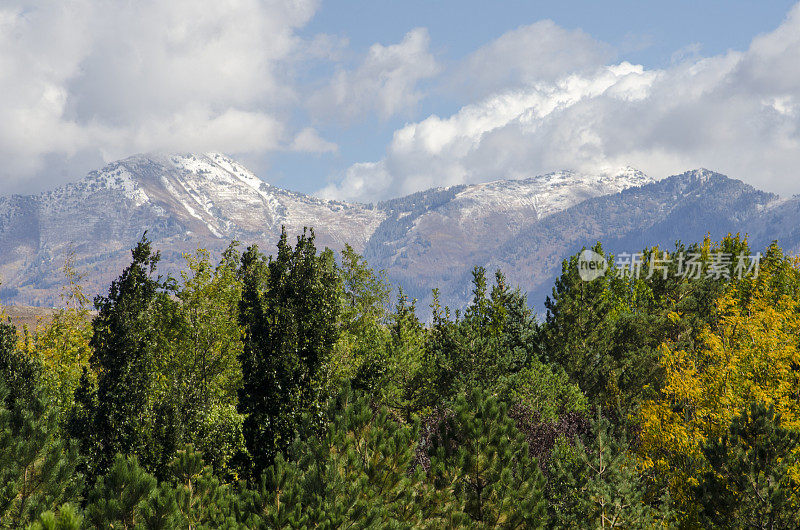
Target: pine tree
x=120, y=496
x=360, y=471
x=277, y=500
x=596, y=484
x=37, y=468
x=748, y=484
x=67, y=518
x=289, y=312
x=479, y=456
x=201, y=500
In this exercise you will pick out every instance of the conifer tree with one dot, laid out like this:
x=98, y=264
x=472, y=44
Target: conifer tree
x=120, y=496
x=480, y=457
x=201, y=500
x=596, y=484
x=749, y=484
x=360, y=471
x=37, y=468
x=67, y=518
x=289, y=312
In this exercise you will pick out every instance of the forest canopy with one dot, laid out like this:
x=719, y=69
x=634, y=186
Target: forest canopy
x=298, y=389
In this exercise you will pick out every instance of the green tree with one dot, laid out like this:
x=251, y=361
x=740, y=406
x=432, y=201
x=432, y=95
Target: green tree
x=37, y=469
x=495, y=339
x=596, y=484
x=391, y=371
x=203, y=374
x=479, y=456
x=120, y=497
x=67, y=518
x=748, y=484
x=201, y=500
x=359, y=472
x=136, y=325
x=289, y=311
x=363, y=315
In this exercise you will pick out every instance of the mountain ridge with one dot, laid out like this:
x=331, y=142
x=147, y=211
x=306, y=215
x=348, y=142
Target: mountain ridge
x=428, y=239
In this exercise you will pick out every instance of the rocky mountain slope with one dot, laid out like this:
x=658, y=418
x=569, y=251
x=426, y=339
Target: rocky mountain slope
x=183, y=201
x=530, y=250
x=429, y=239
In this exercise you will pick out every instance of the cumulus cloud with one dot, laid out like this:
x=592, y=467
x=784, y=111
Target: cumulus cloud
x=534, y=53
x=385, y=82
x=309, y=141
x=120, y=77
x=738, y=113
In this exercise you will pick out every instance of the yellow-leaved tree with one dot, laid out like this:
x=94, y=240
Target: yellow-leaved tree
x=61, y=343
x=750, y=354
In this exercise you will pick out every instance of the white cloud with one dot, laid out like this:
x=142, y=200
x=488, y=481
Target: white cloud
x=116, y=77
x=738, y=113
x=385, y=82
x=538, y=52
x=309, y=141
x=365, y=182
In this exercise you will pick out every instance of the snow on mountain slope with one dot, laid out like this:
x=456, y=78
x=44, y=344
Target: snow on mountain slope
x=447, y=226
x=544, y=194
x=184, y=201
x=190, y=201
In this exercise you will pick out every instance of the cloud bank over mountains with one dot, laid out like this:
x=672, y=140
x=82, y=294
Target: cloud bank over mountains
x=738, y=113
x=88, y=81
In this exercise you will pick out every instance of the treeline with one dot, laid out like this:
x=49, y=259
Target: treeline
x=284, y=391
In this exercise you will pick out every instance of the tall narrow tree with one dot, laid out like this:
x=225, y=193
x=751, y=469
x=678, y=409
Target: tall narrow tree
x=289, y=311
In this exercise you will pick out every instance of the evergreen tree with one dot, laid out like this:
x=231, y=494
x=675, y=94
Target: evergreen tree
x=749, y=484
x=37, y=468
x=360, y=471
x=67, y=518
x=119, y=498
x=132, y=329
x=19, y=370
x=479, y=456
x=596, y=484
x=392, y=370
x=201, y=500
x=289, y=312
x=277, y=500
x=494, y=340
x=578, y=330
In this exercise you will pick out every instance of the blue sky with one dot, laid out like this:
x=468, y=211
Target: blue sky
x=649, y=33
x=363, y=100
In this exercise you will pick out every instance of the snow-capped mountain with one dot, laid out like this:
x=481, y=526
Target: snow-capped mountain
x=183, y=201
x=428, y=239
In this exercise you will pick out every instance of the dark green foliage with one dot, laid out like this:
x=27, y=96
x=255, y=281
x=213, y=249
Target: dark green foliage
x=748, y=485
x=393, y=370
x=201, y=500
x=131, y=329
x=359, y=472
x=479, y=455
x=595, y=484
x=119, y=498
x=18, y=370
x=495, y=339
x=289, y=312
x=277, y=500
x=37, y=468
